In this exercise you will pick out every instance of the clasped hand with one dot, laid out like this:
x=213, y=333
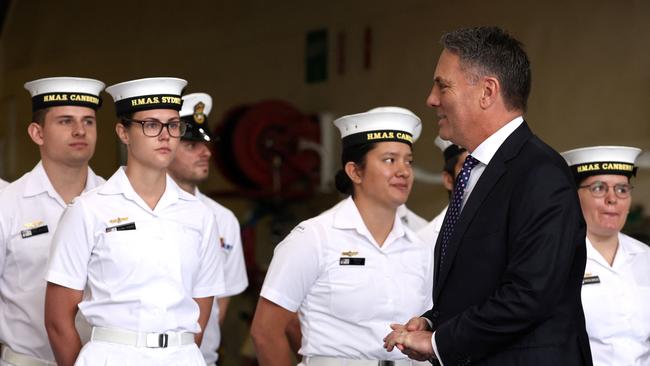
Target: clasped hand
x=413, y=339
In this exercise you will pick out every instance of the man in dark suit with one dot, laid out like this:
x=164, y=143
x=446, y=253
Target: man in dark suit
x=511, y=255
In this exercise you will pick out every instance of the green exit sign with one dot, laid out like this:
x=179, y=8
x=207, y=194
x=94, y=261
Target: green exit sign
x=316, y=56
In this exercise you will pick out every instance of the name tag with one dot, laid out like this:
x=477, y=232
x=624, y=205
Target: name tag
x=590, y=280
x=352, y=261
x=35, y=231
x=129, y=226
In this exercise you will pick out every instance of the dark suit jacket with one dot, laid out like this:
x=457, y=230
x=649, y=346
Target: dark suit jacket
x=508, y=292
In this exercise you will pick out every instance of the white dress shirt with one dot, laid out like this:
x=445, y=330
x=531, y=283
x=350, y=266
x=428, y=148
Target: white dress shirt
x=616, y=301
x=3, y=184
x=29, y=215
x=484, y=154
x=345, y=287
x=141, y=267
x=235, y=276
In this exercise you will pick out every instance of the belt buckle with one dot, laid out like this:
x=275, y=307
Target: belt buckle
x=157, y=340
x=163, y=340
x=386, y=363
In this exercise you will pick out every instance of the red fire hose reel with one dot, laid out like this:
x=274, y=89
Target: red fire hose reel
x=264, y=149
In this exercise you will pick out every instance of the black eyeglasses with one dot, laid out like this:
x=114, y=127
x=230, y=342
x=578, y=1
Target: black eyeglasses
x=599, y=189
x=153, y=127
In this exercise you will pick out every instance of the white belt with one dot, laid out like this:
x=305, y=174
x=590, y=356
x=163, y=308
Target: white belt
x=18, y=359
x=334, y=361
x=141, y=339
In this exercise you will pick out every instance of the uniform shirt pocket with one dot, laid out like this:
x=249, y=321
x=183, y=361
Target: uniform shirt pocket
x=30, y=258
x=119, y=254
x=183, y=243
x=352, y=293
x=600, y=310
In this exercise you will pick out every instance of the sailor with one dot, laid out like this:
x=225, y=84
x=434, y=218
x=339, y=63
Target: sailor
x=141, y=248
x=356, y=268
x=616, y=284
x=191, y=166
x=64, y=127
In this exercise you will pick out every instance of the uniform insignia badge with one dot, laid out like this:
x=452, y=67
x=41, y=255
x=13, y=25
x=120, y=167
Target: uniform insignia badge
x=34, y=224
x=118, y=220
x=589, y=279
x=349, y=253
x=34, y=228
x=199, y=116
x=225, y=245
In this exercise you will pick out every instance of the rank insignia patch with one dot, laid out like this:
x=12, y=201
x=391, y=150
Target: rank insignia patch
x=118, y=220
x=349, y=253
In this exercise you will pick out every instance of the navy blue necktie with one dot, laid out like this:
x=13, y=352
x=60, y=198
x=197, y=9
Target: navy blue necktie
x=453, y=212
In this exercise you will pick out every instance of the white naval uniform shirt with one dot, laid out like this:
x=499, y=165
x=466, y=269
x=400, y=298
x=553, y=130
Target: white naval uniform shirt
x=3, y=184
x=410, y=218
x=347, y=289
x=429, y=233
x=616, y=301
x=30, y=209
x=235, y=276
x=141, y=267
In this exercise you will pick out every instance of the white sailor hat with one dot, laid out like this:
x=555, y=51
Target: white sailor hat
x=597, y=160
x=448, y=148
x=59, y=91
x=442, y=143
x=144, y=94
x=195, y=111
x=379, y=124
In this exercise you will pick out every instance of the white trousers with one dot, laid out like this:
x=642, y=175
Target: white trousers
x=110, y=354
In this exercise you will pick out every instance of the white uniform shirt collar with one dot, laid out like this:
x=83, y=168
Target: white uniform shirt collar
x=402, y=211
x=347, y=216
x=627, y=245
x=486, y=150
x=119, y=184
x=624, y=252
x=38, y=182
x=594, y=255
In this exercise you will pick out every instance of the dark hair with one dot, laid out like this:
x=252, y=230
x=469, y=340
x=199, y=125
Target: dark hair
x=492, y=51
x=450, y=164
x=356, y=154
x=38, y=115
x=125, y=119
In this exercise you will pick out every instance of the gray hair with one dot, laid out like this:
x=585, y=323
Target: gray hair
x=492, y=51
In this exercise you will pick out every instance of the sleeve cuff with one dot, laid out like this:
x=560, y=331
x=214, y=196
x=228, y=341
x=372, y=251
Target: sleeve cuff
x=200, y=292
x=279, y=299
x=65, y=280
x=428, y=322
x=236, y=289
x=435, y=348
